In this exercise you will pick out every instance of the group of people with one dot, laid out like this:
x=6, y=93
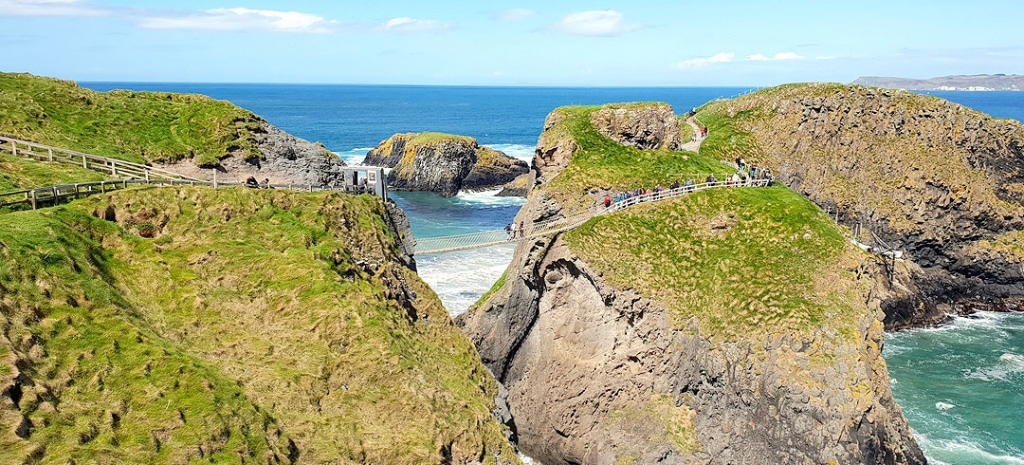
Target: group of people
x=745, y=175
x=515, y=231
x=250, y=182
x=701, y=133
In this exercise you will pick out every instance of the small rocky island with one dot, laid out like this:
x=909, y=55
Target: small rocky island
x=444, y=163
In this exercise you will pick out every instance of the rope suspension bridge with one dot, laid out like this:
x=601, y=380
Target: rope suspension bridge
x=455, y=243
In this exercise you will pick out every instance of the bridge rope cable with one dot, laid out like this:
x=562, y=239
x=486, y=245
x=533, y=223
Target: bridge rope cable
x=458, y=242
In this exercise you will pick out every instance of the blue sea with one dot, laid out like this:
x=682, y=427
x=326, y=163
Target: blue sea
x=961, y=386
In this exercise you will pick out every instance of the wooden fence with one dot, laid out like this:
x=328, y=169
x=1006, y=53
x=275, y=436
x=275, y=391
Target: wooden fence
x=116, y=168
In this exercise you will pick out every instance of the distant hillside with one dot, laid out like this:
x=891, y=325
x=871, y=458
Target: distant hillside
x=973, y=82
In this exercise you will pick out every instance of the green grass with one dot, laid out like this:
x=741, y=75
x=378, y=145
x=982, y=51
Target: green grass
x=428, y=138
x=19, y=174
x=134, y=126
x=98, y=385
x=601, y=163
x=741, y=261
x=859, y=157
x=284, y=296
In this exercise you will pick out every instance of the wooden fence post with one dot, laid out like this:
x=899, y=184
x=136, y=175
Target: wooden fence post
x=214, y=179
x=49, y=151
x=85, y=162
x=147, y=174
x=33, y=198
x=14, y=148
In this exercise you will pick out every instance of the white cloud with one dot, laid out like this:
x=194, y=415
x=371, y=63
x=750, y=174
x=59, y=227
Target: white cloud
x=596, y=23
x=49, y=8
x=721, y=57
x=784, y=56
x=239, y=19
x=409, y=25
x=517, y=14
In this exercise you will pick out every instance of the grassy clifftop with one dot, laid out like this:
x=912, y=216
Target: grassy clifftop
x=742, y=261
x=233, y=325
x=601, y=163
x=134, y=126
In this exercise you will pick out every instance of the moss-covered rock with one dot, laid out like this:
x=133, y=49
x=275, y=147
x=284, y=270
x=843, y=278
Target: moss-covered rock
x=443, y=163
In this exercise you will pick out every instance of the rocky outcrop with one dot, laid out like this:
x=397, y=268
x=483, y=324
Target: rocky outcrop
x=492, y=169
x=518, y=187
x=443, y=163
x=935, y=180
x=643, y=126
x=598, y=375
x=286, y=159
x=604, y=373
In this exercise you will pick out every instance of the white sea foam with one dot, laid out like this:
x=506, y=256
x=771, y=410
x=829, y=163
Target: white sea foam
x=488, y=197
x=520, y=151
x=956, y=451
x=460, y=278
x=1013, y=360
x=943, y=406
x=354, y=156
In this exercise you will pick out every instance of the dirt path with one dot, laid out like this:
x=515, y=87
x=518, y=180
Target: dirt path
x=693, y=145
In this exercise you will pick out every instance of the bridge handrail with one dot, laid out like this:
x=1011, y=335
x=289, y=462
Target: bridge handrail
x=474, y=240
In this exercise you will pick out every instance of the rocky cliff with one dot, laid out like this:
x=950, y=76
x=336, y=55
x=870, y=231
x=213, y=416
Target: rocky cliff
x=178, y=325
x=284, y=159
x=939, y=182
x=443, y=163
x=729, y=326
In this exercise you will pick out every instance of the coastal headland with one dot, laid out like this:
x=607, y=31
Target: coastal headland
x=235, y=325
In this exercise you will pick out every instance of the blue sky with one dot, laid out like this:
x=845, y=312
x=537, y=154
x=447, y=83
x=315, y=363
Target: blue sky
x=526, y=42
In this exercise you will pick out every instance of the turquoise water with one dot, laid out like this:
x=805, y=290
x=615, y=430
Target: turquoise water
x=961, y=387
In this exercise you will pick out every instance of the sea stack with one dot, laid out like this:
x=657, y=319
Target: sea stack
x=443, y=163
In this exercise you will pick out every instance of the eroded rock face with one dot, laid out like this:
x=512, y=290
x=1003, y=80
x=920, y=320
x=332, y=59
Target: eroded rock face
x=443, y=164
x=597, y=375
x=493, y=168
x=287, y=160
x=641, y=126
x=600, y=375
x=928, y=177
